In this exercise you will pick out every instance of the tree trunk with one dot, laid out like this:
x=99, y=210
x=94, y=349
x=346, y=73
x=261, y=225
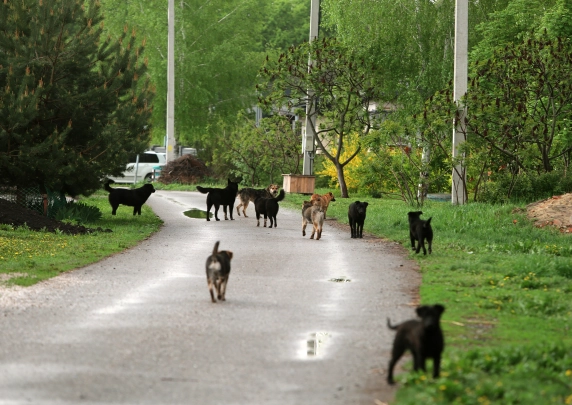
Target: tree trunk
x=341, y=180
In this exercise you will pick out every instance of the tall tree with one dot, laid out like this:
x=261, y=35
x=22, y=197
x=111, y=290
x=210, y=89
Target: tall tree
x=338, y=84
x=219, y=48
x=519, y=102
x=73, y=104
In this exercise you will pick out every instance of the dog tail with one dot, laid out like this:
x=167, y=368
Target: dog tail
x=203, y=189
x=215, y=249
x=106, y=185
x=390, y=326
x=427, y=224
x=281, y=195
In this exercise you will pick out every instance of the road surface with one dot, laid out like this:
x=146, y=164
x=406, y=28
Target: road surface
x=304, y=320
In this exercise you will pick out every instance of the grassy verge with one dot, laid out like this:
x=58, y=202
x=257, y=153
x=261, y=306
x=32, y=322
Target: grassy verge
x=27, y=257
x=506, y=287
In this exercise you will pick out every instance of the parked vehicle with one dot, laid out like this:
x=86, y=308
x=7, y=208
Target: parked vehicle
x=141, y=168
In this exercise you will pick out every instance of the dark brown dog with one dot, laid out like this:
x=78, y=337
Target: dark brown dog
x=269, y=208
x=218, y=270
x=133, y=198
x=356, y=218
x=423, y=337
x=324, y=200
x=251, y=194
x=420, y=230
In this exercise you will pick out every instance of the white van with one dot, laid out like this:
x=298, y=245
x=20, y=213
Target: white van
x=141, y=168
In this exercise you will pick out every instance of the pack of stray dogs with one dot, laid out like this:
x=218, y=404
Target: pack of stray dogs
x=423, y=337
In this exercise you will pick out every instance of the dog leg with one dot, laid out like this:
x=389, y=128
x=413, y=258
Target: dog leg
x=238, y=209
x=224, y=210
x=413, y=238
x=223, y=289
x=304, y=223
x=210, y=284
x=398, y=351
x=244, y=209
x=265, y=220
x=436, y=365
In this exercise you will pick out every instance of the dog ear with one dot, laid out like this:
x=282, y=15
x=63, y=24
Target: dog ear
x=439, y=308
x=365, y=204
x=358, y=202
x=421, y=311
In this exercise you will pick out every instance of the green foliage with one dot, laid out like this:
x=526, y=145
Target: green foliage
x=558, y=21
x=512, y=24
x=74, y=103
x=504, y=187
x=336, y=84
x=519, y=103
x=259, y=154
x=78, y=212
x=499, y=375
x=287, y=24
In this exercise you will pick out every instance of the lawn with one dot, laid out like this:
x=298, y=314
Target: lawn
x=27, y=257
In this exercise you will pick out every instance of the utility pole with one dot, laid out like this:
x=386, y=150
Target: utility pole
x=170, y=141
x=459, y=189
x=308, y=144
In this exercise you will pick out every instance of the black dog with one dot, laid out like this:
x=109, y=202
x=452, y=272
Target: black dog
x=423, y=337
x=220, y=196
x=218, y=270
x=420, y=230
x=134, y=198
x=269, y=208
x=356, y=216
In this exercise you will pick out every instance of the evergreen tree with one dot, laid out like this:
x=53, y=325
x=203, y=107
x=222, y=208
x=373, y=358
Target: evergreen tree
x=73, y=104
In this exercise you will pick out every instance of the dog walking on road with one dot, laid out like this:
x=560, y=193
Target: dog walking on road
x=218, y=271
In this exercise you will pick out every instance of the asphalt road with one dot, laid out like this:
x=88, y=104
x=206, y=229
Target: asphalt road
x=139, y=327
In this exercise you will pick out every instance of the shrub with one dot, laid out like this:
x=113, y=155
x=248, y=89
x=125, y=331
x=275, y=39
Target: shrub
x=78, y=212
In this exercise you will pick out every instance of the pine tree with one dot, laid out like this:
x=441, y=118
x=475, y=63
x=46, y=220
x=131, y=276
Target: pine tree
x=73, y=105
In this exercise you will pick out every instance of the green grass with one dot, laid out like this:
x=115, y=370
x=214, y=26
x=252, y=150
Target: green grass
x=506, y=286
x=27, y=257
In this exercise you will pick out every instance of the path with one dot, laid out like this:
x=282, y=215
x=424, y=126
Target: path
x=139, y=327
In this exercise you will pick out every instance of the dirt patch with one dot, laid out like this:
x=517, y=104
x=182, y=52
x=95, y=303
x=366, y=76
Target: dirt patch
x=555, y=211
x=16, y=216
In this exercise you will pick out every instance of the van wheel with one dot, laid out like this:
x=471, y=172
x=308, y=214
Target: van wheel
x=148, y=178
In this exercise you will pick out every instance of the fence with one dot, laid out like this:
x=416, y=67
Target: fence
x=31, y=197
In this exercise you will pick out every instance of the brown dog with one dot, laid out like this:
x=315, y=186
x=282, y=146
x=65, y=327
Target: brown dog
x=218, y=270
x=324, y=200
x=247, y=195
x=423, y=337
x=314, y=213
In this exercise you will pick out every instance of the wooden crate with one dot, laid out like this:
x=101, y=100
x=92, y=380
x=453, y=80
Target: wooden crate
x=298, y=183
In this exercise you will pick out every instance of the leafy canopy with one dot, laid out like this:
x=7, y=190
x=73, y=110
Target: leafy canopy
x=73, y=104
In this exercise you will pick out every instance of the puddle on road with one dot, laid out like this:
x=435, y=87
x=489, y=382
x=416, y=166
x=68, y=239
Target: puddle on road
x=197, y=213
x=315, y=345
x=342, y=279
